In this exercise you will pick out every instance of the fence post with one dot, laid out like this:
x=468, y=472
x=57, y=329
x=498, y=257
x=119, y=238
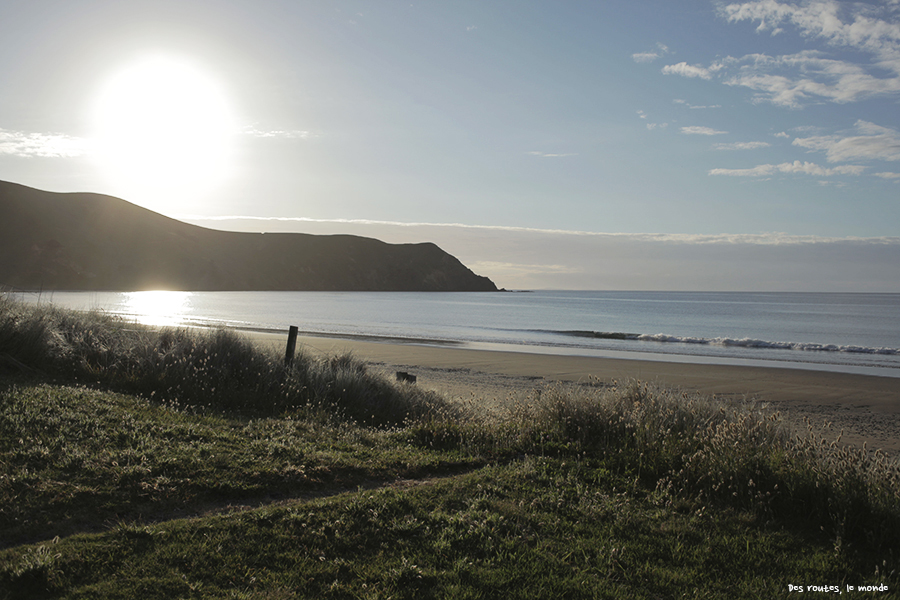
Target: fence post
x=291, y=345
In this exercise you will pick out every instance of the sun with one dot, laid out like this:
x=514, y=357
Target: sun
x=164, y=132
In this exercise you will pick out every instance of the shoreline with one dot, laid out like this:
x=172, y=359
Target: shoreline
x=865, y=407
x=602, y=353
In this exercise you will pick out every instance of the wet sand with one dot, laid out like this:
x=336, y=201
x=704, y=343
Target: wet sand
x=865, y=407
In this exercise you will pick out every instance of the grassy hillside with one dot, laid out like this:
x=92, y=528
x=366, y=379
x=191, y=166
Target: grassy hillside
x=96, y=242
x=161, y=464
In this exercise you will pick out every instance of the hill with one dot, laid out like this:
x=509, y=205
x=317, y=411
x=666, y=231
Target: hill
x=82, y=241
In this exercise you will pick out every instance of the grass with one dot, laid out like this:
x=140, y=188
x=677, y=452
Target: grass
x=174, y=464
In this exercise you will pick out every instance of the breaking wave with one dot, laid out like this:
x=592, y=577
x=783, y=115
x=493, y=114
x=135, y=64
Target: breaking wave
x=732, y=342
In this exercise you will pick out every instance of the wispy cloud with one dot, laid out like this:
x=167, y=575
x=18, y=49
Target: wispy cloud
x=686, y=70
x=774, y=80
x=42, y=145
x=742, y=146
x=760, y=239
x=651, y=126
x=551, y=154
x=872, y=142
x=792, y=80
x=284, y=134
x=645, y=57
x=795, y=80
x=796, y=167
x=480, y=266
x=695, y=106
x=887, y=175
x=862, y=30
x=697, y=130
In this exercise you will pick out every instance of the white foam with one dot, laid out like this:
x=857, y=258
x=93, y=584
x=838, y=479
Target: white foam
x=754, y=343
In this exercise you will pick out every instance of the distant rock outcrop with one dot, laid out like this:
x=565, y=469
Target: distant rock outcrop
x=96, y=242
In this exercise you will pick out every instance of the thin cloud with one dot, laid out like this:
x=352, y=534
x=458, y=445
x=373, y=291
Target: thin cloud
x=686, y=70
x=762, y=239
x=651, y=126
x=646, y=57
x=874, y=142
x=694, y=106
x=796, y=167
x=284, y=134
x=837, y=81
x=532, y=269
x=551, y=155
x=887, y=175
x=742, y=146
x=42, y=145
x=697, y=130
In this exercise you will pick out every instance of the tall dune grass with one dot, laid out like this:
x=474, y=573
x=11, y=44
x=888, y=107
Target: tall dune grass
x=213, y=369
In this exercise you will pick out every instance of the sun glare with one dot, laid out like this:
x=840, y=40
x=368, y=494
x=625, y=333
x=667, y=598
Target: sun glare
x=158, y=308
x=163, y=132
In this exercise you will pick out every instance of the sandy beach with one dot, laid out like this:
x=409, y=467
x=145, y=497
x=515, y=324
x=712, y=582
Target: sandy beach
x=865, y=407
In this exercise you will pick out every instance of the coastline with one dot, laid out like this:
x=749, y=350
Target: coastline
x=865, y=407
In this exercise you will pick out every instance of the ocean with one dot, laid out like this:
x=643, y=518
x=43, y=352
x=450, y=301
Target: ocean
x=856, y=332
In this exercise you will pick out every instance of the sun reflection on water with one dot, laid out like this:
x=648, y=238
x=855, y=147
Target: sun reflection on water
x=159, y=308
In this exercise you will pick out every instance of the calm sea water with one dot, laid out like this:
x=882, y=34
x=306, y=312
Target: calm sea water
x=833, y=331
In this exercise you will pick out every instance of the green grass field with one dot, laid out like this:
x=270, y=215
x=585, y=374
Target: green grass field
x=137, y=463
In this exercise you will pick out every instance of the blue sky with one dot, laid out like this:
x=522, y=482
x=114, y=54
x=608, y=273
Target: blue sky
x=534, y=140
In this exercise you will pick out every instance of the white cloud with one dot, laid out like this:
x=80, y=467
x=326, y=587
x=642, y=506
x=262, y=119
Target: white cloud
x=834, y=80
x=796, y=167
x=794, y=80
x=552, y=155
x=284, y=134
x=646, y=57
x=521, y=269
x=695, y=106
x=781, y=134
x=823, y=19
x=697, y=130
x=246, y=223
x=887, y=175
x=686, y=70
x=850, y=25
x=874, y=142
x=651, y=126
x=42, y=145
x=742, y=146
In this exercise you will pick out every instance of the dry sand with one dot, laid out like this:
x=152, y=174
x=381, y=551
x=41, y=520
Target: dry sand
x=865, y=407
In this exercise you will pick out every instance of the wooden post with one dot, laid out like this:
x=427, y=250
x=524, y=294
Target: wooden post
x=291, y=345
